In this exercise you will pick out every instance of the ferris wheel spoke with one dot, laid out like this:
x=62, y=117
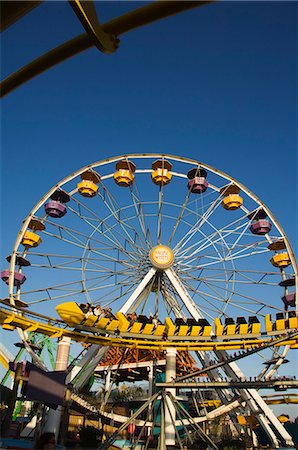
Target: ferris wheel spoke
x=140, y=215
x=260, y=276
x=202, y=219
x=241, y=297
x=104, y=223
x=108, y=233
x=240, y=236
x=115, y=210
x=179, y=218
x=70, y=292
x=76, y=235
x=241, y=272
x=217, y=236
x=108, y=280
x=240, y=253
x=218, y=297
x=83, y=245
x=63, y=231
x=119, y=291
x=197, y=207
x=220, y=310
x=110, y=301
x=68, y=285
x=67, y=265
x=223, y=280
x=200, y=255
x=232, y=228
x=169, y=294
x=114, y=288
x=53, y=298
x=159, y=213
x=219, y=260
x=251, y=249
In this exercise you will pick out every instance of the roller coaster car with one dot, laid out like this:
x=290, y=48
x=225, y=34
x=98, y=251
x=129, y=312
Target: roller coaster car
x=254, y=325
x=280, y=323
x=292, y=321
x=230, y=326
x=70, y=313
x=283, y=321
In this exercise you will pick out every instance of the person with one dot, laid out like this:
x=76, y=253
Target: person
x=108, y=312
x=97, y=311
x=46, y=441
x=165, y=336
x=134, y=318
x=155, y=321
x=89, y=312
x=85, y=307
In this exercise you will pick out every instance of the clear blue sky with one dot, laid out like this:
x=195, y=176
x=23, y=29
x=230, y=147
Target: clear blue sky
x=217, y=84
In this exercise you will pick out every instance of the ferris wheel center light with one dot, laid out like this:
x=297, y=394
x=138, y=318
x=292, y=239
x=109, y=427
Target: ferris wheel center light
x=161, y=257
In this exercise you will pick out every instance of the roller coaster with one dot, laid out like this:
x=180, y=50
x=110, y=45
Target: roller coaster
x=110, y=332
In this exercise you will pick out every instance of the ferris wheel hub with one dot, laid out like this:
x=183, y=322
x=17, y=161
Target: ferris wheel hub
x=161, y=257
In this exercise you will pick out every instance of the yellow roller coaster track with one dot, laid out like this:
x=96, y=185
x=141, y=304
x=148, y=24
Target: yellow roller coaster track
x=279, y=399
x=11, y=320
x=276, y=399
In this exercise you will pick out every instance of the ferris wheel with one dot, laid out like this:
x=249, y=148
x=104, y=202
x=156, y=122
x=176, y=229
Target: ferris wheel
x=171, y=240
x=181, y=225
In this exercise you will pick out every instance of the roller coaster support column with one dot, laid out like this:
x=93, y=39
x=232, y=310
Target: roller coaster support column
x=170, y=412
x=107, y=382
x=151, y=390
x=151, y=378
x=54, y=416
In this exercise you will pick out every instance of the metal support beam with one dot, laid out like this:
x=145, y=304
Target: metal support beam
x=185, y=297
x=86, y=13
x=137, y=292
x=169, y=408
x=82, y=364
x=120, y=25
x=85, y=373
